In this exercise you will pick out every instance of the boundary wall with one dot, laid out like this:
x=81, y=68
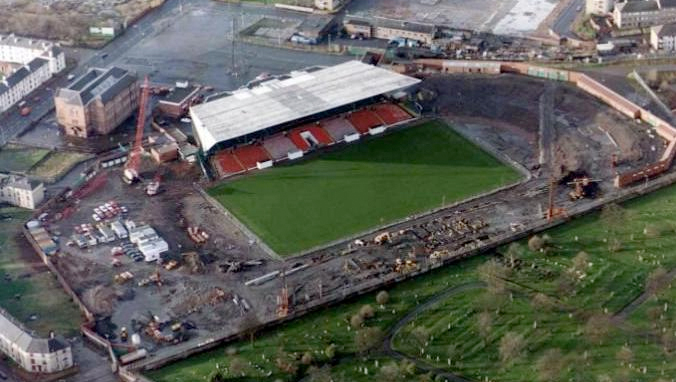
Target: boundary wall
x=581, y=81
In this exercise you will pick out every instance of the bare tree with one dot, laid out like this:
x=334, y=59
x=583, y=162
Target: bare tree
x=367, y=338
x=542, y=302
x=625, y=355
x=217, y=377
x=237, y=366
x=536, y=243
x=597, y=328
x=657, y=280
x=580, y=261
x=389, y=372
x=382, y=297
x=366, y=311
x=613, y=217
x=654, y=314
x=514, y=253
x=485, y=324
x=511, y=347
x=319, y=374
x=356, y=321
x=330, y=352
x=421, y=334
x=307, y=358
x=285, y=362
x=550, y=365
x=495, y=275
x=668, y=342
x=248, y=326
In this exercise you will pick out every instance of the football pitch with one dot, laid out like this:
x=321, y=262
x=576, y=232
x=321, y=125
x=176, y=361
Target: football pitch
x=299, y=206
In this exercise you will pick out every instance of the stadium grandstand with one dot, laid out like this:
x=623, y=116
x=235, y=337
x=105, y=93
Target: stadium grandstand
x=285, y=116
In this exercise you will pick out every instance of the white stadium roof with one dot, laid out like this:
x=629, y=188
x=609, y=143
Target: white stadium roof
x=288, y=98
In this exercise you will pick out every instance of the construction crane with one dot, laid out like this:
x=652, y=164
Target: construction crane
x=131, y=169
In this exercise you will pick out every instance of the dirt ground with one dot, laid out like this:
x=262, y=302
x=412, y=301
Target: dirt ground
x=580, y=124
x=197, y=290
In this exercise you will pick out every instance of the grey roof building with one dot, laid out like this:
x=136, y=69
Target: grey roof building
x=34, y=354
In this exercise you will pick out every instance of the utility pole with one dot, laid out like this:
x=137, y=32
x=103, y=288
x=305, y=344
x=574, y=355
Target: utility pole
x=232, y=53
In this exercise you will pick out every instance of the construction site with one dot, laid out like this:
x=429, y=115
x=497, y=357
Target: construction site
x=159, y=267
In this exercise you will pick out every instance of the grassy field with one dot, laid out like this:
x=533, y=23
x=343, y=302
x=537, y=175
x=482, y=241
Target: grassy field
x=360, y=186
x=52, y=310
x=19, y=158
x=56, y=165
x=580, y=327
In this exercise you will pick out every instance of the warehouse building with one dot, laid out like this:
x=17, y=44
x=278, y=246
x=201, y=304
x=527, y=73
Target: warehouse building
x=21, y=191
x=280, y=103
x=35, y=355
x=389, y=29
x=97, y=102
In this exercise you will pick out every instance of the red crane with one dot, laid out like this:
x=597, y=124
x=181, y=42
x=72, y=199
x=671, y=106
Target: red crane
x=132, y=167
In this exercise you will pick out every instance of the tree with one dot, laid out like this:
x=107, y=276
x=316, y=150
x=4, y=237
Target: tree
x=356, y=321
x=514, y=252
x=319, y=374
x=366, y=311
x=625, y=355
x=668, y=342
x=248, y=326
x=307, y=358
x=597, y=328
x=217, y=377
x=511, y=347
x=656, y=280
x=536, y=243
x=367, y=338
x=613, y=217
x=542, y=302
x=237, y=366
x=382, y=297
x=406, y=368
x=330, y=352
x=389, y=372
x=580, y=261
x=485, y=324
x=421, y=334
x=285, y=362
x=654, y=314
x=495, y=275
x=550, y=365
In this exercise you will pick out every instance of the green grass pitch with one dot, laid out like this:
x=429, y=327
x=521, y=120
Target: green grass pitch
x=299, y=206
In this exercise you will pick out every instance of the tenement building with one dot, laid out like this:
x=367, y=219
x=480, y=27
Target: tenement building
x=26, y=64
x=21, y=191
x=36, y=355
x=644, y=13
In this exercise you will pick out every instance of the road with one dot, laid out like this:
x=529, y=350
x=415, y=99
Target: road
x=562, y=25
x=181, y=40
